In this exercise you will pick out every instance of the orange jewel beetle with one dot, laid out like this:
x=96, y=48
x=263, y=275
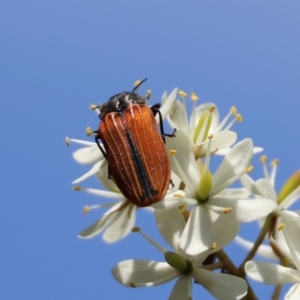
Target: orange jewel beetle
x=138, y=160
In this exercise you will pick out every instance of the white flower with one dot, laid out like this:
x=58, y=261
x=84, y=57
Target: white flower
x=205, y=191
x=269, y=273
x=288, y=195
x=203, y=122
x=180, y=265
x=118, y=221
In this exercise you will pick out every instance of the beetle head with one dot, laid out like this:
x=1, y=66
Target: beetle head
x=119, y=102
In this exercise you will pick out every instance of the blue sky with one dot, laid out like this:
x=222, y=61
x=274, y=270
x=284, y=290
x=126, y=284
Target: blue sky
x=58, y=57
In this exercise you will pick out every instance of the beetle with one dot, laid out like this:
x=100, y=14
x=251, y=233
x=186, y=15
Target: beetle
x=138, y=160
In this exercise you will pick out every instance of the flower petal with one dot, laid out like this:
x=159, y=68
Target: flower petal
x=197, y=234
x=234, y=164
x=171, y=224
x=167, y=103
x=269, y=273
x=169, y=201
x=264, y=188
x=244, y=210
x=221, y=286
x=88, y=174
x=291, y=233
x=225, y=229
x=182, y=288
x=178, y=118
x=185, y=158
x=202, y=109
x=97, y=227
x=88, y=155
x=293, y=293
x=221, y=140
x=122, y=225
x=143, y=273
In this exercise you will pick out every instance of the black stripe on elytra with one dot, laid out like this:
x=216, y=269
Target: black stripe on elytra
x=140, y=169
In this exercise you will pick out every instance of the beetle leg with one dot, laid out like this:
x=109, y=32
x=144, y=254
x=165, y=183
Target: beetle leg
x=155, y=109
x=172, y=184
x=172, y=134
x=103, y=152
x=99, y=146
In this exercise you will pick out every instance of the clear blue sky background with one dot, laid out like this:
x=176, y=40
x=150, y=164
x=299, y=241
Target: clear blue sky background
x=58, y=57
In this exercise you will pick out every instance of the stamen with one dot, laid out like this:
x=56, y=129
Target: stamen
x=148, y=94
x=67, y=140
x=194, y=97
x=274, y=165
x=182, y=174
x=229, y=125
x=227, y=210
x=89, y=131
x=86, y=209
x=239, y=118
x=156, y=245
x=274, y=162
x=233, y=110
x=249, y=169
x=182, y=94
x=280, y=226
x=263, y=160
x=213, y=246
x=178, y=195
x=136, y=83
x=220, y=127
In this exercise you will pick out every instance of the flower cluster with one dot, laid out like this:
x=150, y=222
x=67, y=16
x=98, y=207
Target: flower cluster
x=201, y=213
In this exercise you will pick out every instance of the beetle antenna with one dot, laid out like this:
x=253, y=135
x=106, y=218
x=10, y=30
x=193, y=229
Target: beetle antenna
x=138, y=85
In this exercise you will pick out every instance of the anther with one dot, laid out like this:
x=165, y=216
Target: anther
x=275, y=162
x=213, y=246
x=132, y=284
x=67, y=140
x=194, y=97
x=239, y=117
x=86, y=209
x=89, y=131
x=173, y=152
x=227, y=210
x=280, y=226
x=77, y=188
x=93, y=106
x=178, y=195
x=263, y=159
x=249, y=169
x=148, y=94
x=182, y=94
x=135, y=229
x=211, y=109
x=233, y=110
